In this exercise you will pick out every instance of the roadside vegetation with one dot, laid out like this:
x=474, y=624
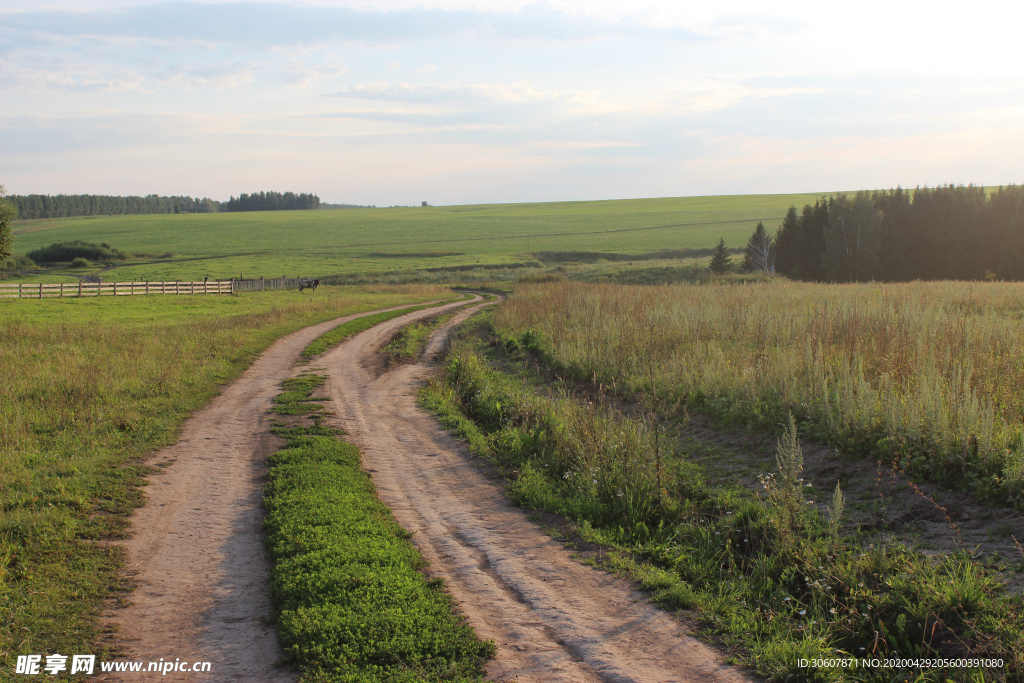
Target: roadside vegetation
x=774, y=574
x=351, y=602
x=927, y=377
x=91, y=386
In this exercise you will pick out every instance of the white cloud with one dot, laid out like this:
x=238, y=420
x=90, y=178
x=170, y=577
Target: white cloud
x=584, y=98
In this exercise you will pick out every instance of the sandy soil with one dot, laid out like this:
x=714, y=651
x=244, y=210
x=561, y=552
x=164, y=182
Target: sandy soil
x=553, y=618
x=197, y=551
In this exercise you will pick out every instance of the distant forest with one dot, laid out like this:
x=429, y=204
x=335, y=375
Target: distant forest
x=271, y=201
x=67, y=205
x=943, y=233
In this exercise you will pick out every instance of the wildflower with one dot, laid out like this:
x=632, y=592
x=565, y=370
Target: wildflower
x=803, y=612
x=832, y=611
x=787, y=599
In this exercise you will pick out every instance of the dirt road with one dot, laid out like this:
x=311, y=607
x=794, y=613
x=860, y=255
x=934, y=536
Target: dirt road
x=197, y=548
x=552, y=618
x=203, y=572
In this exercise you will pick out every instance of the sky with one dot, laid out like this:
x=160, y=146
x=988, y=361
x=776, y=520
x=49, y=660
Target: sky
x=457, y=102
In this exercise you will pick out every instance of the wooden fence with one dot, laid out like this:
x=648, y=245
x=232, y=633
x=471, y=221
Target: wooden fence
x=261, y=285
x=43, y=291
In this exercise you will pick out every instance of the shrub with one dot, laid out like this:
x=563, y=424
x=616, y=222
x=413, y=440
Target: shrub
x=81, y=263
x=18, y=263
x=63, y=252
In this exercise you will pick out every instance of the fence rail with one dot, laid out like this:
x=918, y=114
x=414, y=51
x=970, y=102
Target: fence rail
x=26, y=290
x=261, y=285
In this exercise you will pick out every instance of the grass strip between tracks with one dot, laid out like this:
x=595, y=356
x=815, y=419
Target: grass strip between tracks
x=346, y=330
x=774, y=578
x=351, y=602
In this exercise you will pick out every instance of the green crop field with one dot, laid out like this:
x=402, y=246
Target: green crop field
x=347, y=241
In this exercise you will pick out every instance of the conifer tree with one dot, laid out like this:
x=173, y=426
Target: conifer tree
x=721, y=260
x=853, y=238
x=7, y=214
x=759, y=254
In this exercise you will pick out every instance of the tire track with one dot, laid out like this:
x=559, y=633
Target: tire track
x=552, y=618
x=197, y=552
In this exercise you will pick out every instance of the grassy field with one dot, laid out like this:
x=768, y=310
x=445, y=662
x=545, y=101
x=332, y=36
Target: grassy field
x=928, y=376
x=772, y=572
x=90, y=387
x=347, y=241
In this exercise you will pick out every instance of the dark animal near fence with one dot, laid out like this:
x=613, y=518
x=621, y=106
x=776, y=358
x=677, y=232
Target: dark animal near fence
x=309, y=283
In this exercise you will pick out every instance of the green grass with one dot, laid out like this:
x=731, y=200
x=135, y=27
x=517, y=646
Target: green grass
x=352, y=327
x=351, y=602
x=771, y=577
x=351, y=241
x=407, y=345
x=89, y=388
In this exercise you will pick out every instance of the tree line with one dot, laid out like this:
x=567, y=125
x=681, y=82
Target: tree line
x=68, y=205
x=271, y=201
x=952, y=232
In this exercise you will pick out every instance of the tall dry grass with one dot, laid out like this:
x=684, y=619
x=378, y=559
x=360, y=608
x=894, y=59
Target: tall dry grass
x=930, y=375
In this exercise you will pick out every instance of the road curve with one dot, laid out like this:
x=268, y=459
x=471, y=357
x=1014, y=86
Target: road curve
x=553, y=618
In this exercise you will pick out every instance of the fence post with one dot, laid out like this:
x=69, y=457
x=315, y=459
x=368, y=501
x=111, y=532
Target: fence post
x=40, y=290
x=115, y=289
x=79, y=289
x=61, y=296
x=147, y=286
x=19, y=291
